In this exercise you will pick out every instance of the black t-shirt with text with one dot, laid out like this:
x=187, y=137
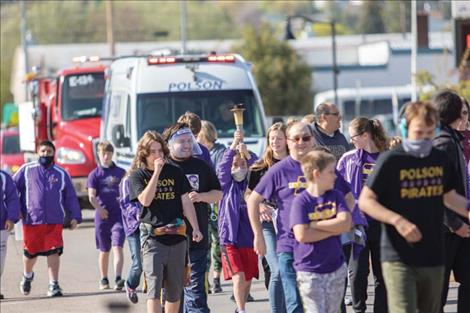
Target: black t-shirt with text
x=202, y=178
x=167, y=205
x=414, y=188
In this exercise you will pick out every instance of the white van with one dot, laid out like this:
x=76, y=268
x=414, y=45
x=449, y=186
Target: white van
x=150, y=93
x=383, y=103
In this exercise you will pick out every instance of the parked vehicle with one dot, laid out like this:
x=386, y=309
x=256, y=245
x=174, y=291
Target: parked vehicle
x=152, y=92
x=11, y=156
x=66, y=109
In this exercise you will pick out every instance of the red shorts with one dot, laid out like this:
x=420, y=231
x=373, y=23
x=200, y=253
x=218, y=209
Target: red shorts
x=236, y=260
x=43, y=239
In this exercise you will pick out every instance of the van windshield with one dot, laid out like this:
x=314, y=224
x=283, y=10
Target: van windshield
x=156, y=111
x=82, y=96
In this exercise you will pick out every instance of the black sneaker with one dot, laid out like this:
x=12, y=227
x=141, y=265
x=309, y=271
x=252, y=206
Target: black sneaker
x=217, y=288
x=131, y=295
x=104, y=283
x=119, y=283
x=25, y=285
x=1, y=297
x=54, y=290
x=250, y=298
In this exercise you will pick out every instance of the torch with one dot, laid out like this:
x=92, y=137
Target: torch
x=238, y=116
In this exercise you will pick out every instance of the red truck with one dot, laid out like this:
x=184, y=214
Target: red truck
x=66, y=109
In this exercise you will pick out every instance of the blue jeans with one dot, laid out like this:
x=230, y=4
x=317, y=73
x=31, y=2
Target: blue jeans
x=195, y=296
x=276, y=293
x=289, y=282
x=133, y=278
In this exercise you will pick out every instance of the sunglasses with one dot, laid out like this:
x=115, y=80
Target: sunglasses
x=298, y=139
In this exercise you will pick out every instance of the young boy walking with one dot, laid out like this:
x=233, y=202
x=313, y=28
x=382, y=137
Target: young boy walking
x=408, y=191
x=103, y=193
x=318, y=216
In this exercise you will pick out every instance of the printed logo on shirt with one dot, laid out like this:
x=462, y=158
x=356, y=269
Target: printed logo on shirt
x=110, y=184
x=422, y=182
x=298, y=185
x=366, y=171
x=165, y=189
x=193, y=181
x=52, y=180
x=323, y=211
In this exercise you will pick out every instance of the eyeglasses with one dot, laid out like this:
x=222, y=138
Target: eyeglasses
x=333, y=113
x=356, y=135
x=298, y=139
x=464, y=112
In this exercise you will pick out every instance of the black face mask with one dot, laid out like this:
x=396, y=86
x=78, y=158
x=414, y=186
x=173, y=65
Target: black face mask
x=46, y=160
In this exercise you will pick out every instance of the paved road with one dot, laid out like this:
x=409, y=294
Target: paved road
x=79, y=280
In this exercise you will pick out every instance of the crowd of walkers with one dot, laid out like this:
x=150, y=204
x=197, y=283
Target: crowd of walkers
x=320, y=211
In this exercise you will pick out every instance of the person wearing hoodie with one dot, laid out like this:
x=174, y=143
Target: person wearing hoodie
x=46, y=193
x=239, y=260
x=9, y=214
x=355, y=166
x=452, y=115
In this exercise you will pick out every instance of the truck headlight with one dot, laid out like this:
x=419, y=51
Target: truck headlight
x=70, y=156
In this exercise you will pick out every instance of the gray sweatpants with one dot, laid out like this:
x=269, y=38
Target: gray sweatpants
x=322, y=293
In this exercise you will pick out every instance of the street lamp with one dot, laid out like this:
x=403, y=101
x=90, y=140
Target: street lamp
x=288, y=35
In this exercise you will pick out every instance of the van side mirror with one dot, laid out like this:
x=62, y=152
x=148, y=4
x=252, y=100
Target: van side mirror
x=118, y=137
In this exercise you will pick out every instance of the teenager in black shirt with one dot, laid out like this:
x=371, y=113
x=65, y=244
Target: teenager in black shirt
x=407, y=191
x=162, y=190
x=205, y=189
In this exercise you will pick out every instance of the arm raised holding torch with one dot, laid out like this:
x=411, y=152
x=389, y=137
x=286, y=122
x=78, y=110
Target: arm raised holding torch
x=238, y=116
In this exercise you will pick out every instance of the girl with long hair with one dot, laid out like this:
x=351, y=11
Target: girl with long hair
x=369, y=140
x=276, y=150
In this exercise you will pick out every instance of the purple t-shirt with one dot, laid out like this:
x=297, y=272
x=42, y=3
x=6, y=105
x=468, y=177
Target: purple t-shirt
x=106, y=183
x=324, y=256
x=368, y=163
x=282, y=183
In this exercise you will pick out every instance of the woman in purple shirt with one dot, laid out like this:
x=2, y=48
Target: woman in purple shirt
x=276, y=150
x=368, y=137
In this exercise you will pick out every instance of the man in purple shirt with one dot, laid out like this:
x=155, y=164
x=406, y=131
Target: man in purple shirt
x=9, y=214
x=103, y=193
x=283, y=182
x=46, y=193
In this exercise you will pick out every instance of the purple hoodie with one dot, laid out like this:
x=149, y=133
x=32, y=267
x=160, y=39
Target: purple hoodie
x=45, y=194
x=130, y=209
x=234, y=225
x=9, y=201
x=205, y=156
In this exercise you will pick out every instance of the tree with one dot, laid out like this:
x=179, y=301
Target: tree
x=370, y=20
x=397, y=16
x=284, y=78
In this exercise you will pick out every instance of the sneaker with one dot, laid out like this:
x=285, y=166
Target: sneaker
x=25, y=285
x=131, y=295
x=104, y=283
x=216, y=288
x=119, y=283
x=54, y=290
x=347, y=301
x=1, y=297
x=248, y=299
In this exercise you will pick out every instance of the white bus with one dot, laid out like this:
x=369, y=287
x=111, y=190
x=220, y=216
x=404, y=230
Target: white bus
x=150, y=93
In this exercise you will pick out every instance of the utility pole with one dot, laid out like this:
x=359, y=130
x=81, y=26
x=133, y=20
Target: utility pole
x=183, y=16
x=24, y=43
x=335, y=62
x=414, y=49
x=110, y=27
